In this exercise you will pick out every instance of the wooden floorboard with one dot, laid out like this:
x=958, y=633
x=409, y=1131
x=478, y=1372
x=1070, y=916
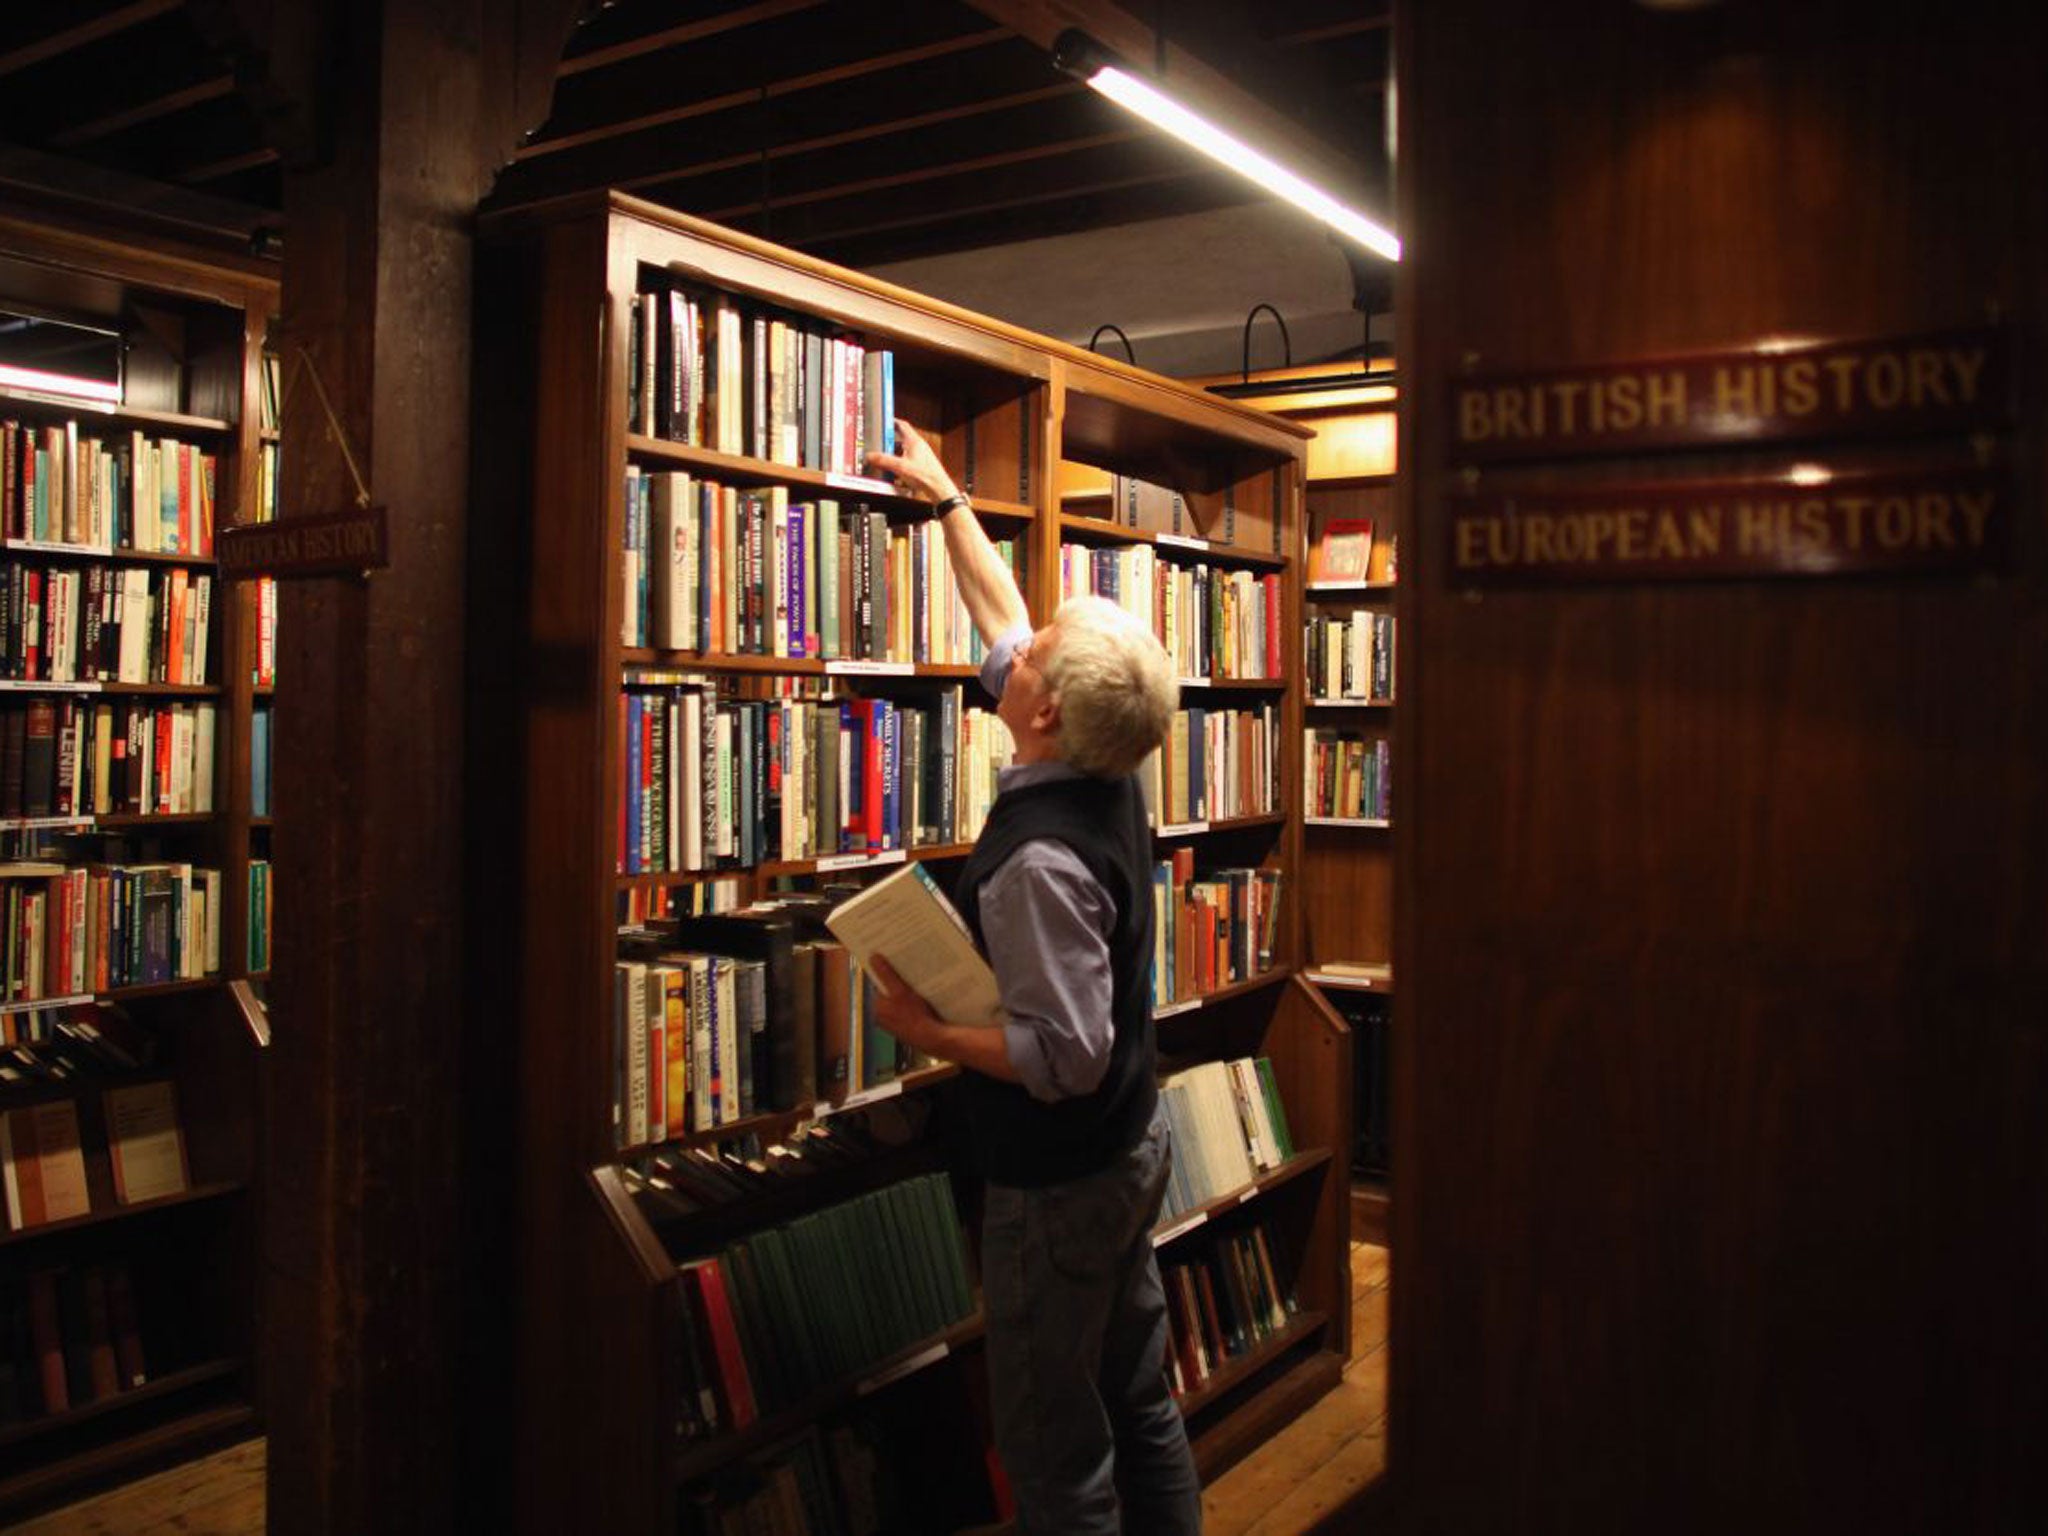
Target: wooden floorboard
x=1316, y=1467
x=217, y=1495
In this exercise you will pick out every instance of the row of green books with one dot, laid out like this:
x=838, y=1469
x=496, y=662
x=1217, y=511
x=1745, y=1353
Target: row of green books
x=791, y=1309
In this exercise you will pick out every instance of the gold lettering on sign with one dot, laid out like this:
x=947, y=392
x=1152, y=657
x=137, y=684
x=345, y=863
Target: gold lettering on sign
x=1734, y=530
x=1573, y=407
x=1958, y=381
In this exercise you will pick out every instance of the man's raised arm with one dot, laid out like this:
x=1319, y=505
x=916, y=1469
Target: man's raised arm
x=986, y=583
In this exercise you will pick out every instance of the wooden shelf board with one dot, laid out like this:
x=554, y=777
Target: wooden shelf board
x=96, y=685
x=1199, y=1216
x=783, y=666
x=1227, y=824
x=1172, y=544
x=1240, y=684
x=827, y=864
x=830, y=864
x=1322, y=702
x=161, y=557
x=198, y=1195
x=152, y=1390
x=1302, y=1325
x=743, y=469
x=159, y=989
x=115, y=995
x=697, y=1460
x=1017, y=511
x=132, y=414
x=1342, y=981
x=775, y=1124
x=183, y=819
x=1266, y=978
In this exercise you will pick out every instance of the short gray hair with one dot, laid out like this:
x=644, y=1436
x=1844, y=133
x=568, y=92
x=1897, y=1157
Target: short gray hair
x=1114, y=685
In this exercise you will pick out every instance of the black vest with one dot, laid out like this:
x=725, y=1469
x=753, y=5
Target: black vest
x=1020, y=1140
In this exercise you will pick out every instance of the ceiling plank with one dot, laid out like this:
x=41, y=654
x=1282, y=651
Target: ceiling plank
x=227, y=166
x=789, y=85
x=781, y=122
x=675, y=37
x=1330, y=31
x=848, y=136
x=144, y=112
x=907, y=158
x=976, y=166
x=1191, y=80
x=108, y=25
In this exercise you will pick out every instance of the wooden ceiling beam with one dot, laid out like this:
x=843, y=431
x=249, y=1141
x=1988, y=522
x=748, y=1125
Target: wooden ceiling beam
x=872, y=184
x=676, y=37
x=726, y=100
x=1189, y=78
x=59, y=43
x=144, y=112
x=1331, y=31
x=214, y=170
x=844, y=137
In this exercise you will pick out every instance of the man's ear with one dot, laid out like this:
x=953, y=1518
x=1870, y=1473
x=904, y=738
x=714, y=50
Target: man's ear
x=1046, y=717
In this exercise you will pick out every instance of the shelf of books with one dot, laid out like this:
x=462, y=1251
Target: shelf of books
x=128, y=1088
x=749, y=691
x=1350, y=567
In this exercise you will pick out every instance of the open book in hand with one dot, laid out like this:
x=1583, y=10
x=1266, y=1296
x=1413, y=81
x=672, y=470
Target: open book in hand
x=907, y=920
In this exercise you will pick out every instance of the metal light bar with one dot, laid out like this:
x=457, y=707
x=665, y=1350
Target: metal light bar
x=1079, y=55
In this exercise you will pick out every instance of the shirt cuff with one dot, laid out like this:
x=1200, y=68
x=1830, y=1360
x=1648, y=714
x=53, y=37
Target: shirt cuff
x=1027, y=1054
x=995, y=666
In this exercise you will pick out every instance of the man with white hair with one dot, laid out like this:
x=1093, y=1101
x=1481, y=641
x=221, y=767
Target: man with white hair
x=1063, y=1100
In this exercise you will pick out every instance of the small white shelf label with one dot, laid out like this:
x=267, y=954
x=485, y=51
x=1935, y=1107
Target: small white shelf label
x=870, y=669
x=1180, y=540
x=30, y=1005
x=862, y=483
x=1185, y=1005
x=1180, y=1228
x=861, y=860
x=874, y=1095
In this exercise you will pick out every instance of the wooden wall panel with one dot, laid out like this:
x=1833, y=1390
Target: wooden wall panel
x=1723, y=950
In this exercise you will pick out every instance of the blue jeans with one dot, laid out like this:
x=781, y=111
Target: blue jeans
x=1090, y=1436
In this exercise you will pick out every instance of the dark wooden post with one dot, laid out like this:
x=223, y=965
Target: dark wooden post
x=1722, y=1031
x=379, y=1381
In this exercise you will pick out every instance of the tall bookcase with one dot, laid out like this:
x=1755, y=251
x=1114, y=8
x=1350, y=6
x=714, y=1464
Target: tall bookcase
x=129, y=1332
x=1347, y=860
x=600, y=1369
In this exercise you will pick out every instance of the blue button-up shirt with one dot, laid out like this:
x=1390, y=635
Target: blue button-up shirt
x=1048, y=921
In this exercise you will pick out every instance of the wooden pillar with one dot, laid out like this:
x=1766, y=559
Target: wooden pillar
x=382, y=1379
x=1722, y=1062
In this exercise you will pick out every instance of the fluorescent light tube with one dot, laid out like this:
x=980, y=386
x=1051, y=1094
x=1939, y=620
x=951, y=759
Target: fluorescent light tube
x=1134, y=95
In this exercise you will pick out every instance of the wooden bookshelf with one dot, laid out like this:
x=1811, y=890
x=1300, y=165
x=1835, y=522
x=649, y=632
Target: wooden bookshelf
x=599, y=1287
x=191, y=1258
x=1347, y=861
